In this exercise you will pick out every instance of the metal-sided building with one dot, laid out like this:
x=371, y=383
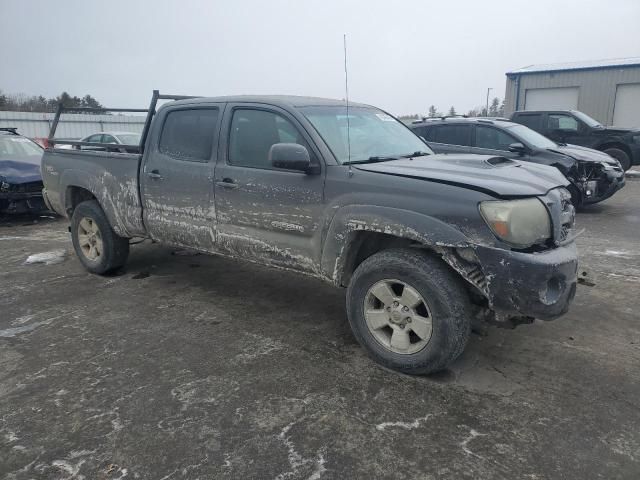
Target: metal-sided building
x=607, y=90
x=37, y=125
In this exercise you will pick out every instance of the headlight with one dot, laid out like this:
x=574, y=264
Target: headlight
x=520, y=223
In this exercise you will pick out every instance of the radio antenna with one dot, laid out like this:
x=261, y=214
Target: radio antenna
x=346, y=91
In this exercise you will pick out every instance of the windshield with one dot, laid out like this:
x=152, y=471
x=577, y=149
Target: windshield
x=129, y=138
x=14, y=147
x=532, y=137
x=372, y=133
x=587, y=119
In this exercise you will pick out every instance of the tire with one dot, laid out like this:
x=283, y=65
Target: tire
x=446, y=303
x=90, y=229
x=621, y=156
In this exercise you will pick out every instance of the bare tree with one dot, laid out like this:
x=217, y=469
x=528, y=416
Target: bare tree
x=494, y=107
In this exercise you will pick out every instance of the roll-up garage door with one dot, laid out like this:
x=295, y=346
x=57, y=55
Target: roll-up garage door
x=626, y=112
x=565, y=98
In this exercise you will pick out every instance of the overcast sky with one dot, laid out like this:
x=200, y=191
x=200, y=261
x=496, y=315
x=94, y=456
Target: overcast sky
x=403, y=55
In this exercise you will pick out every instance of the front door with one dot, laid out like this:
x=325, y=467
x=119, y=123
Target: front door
x=267, y=214
x=177, y=176
x=565, y=128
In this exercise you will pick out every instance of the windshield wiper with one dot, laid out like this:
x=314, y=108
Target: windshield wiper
x=415, y=154
x=374, y=159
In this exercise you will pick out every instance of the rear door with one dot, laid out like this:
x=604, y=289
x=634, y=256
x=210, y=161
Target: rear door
x=489, y=140
x=177, y=176
x=267, y=214
x=452, y=138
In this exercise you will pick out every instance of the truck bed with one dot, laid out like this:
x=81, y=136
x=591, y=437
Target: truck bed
x=110, y=177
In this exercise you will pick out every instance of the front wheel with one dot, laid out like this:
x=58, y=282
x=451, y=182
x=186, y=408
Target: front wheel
x=409, y=310
x=96, y=244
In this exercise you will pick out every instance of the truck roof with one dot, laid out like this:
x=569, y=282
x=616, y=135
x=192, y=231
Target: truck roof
x=545, y=111
x=278, y=100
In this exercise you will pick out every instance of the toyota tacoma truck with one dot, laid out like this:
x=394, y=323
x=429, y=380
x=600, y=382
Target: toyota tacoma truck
x=424, y=244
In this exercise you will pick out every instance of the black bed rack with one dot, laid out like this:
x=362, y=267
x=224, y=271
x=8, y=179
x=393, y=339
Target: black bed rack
x=128, y=148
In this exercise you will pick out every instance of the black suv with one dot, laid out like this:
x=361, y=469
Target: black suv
x=594, y=176
x=571, y=126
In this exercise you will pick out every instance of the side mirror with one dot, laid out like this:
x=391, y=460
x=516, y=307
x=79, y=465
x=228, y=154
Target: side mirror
x=518, y=148
x=290, y=156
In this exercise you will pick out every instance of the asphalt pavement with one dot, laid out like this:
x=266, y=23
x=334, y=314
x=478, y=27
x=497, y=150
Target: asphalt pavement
x=193, y=366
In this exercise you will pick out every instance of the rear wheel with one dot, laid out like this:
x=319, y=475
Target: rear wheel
x=409, y=310
x=96, y=244
x=621, y=156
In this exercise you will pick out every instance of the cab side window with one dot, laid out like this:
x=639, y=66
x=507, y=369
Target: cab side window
x=253, y=132
x=558, y=121
x=188, y=134
x=493, y=139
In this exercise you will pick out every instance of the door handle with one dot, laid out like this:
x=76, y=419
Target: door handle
x=227, y=183
x=154, y=174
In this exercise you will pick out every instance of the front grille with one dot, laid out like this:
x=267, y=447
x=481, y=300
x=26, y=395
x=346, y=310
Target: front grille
x=31, y=187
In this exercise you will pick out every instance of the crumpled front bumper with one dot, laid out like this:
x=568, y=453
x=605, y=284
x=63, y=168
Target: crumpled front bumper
x=604, y=188
x=21, y=202
x=540, y=285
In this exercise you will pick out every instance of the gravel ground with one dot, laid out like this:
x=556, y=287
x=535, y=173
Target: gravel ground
x=189, y=366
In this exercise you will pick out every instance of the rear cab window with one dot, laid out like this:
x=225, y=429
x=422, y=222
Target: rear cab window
x=188, y=134
x=531, y=120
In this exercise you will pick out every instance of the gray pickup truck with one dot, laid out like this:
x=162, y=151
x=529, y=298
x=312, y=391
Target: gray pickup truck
x=426, y=244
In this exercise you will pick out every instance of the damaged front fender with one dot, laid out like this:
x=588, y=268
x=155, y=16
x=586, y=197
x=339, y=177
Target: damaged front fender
x=397, y=223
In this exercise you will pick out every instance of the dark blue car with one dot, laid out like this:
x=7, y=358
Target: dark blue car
x=20, y=178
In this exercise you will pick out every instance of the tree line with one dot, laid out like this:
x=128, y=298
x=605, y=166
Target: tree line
x=496, y=109
x=20, y=102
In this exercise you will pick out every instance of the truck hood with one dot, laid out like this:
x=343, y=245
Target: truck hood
x=615, y=130
x=498, y=176
x=20, y=171
x=585, y=154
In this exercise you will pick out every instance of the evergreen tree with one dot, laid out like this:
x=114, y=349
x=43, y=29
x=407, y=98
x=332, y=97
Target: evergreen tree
x=433, y=112
x=452, y=112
